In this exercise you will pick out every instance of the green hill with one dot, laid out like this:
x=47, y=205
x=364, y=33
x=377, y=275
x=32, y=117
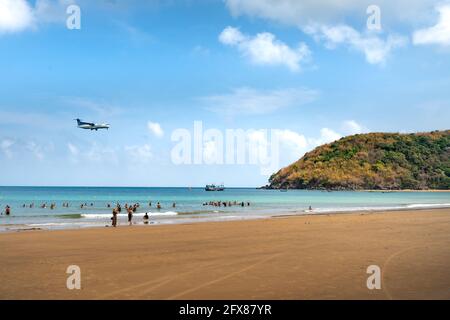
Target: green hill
x=384, y=161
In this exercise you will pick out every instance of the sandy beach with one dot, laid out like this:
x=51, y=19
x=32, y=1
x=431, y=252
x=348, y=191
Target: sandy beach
x=299, y=257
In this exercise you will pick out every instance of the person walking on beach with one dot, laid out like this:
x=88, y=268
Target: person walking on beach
x=114, y=218
x=130, y=215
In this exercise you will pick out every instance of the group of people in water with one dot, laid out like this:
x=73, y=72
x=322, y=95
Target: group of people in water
x=130, y=209
x=226, y=203
x=44, y=205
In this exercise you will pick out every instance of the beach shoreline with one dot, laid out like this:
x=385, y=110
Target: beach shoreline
x=298, y=257
x=79, y=208
x=298, y=213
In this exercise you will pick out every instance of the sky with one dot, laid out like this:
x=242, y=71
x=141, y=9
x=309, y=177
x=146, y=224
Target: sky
x=289, y=74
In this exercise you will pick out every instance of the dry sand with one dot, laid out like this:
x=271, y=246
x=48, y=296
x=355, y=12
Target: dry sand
x=307, y=257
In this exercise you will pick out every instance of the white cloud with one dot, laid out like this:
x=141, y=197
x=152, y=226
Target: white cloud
x=5, y=147
x=15, y=15
x=438, y=34
x=259, y=146
x=155, y=128
x=294, y=145
x=326, y=136
x=140, y=154
x=231, y=36
x=352, y=127
x=282, y=147
x=302, y=13
x=295, y=142
x=265, y=49
x=248, y=101
x=52, y=10
x=375, y=49
x=19, y=15
x=291, y=145
x=331, y=19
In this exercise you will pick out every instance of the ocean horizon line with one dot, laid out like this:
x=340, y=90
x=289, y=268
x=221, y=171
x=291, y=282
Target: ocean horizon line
x=87, y=186
x=231, y=187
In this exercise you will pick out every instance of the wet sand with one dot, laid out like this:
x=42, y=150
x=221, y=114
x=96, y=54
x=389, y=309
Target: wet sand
x=306, y=257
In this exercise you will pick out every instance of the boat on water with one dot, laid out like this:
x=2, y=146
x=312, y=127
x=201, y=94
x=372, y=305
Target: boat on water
x=213, y=187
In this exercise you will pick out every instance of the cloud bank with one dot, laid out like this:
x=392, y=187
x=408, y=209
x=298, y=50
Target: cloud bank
x=265, y=49
x=438, y=34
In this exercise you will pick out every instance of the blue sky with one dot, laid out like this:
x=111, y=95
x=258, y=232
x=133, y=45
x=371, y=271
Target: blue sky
x=310, y=69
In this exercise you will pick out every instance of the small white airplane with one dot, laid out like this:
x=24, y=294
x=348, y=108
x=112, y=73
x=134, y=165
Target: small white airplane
x=91, y=126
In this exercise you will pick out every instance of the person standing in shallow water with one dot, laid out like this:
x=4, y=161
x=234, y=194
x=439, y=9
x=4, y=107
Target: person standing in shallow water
x=7, y=210
x=114, y=217
x=130, y=215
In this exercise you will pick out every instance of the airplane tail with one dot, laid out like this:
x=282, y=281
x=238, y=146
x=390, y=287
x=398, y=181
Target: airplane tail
x=78, y=121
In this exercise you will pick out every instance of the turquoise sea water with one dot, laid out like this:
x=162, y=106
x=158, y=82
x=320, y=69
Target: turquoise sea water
x=189, y=204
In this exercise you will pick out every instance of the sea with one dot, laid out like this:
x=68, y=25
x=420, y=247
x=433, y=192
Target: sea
x=191, y=204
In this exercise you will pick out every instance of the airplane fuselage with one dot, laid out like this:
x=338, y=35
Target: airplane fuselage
x=91, y=126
